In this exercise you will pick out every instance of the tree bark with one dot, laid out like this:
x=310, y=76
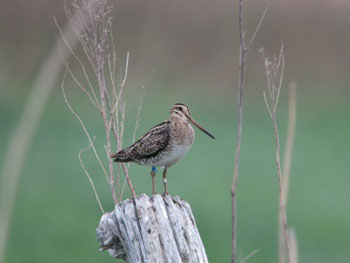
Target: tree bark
x=153, y=229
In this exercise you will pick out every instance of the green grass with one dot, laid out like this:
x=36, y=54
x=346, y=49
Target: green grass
x=56, y=214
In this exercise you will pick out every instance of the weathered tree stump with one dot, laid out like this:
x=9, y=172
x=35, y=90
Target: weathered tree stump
x=153, y=229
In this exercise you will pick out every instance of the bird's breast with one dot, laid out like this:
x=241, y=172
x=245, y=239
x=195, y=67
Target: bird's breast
x=182, y=134
x=172, y=155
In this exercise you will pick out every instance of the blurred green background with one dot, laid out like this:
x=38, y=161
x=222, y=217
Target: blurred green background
x=192, y=50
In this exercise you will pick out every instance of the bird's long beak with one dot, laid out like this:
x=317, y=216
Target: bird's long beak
x=199, y=126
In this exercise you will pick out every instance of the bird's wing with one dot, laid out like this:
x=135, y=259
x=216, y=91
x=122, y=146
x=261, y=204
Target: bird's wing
x=154, y=141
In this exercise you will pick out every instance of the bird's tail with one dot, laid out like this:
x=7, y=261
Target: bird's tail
x=121, y=157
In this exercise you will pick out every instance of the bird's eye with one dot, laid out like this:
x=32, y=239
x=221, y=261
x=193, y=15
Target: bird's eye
x=179, y=108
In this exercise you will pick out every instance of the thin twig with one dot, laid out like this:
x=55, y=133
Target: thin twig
x=259, y=25
x=94, y=40
x=118, y=96
x=113, y=68
x=92, y=25
x=118, y=129
x=103, y=92
x=239, y=135
x=137, y=125
x=89, y=177
x=126, y=72
x=274, y=85
x=125, y=168
x=132, y=189
x=84, y=128
x=94, y=100
x=122, y=123
x=242, y=59
x=267, y=104
x=280, y=183
x=280, y=65
x=80, y=16
x=78, y=82
x=138, y=115
x=250, y=255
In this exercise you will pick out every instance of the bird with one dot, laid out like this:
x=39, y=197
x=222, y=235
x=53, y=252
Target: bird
x=164, y=144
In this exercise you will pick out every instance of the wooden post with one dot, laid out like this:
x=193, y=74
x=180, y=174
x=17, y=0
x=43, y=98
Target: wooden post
x=153, y=229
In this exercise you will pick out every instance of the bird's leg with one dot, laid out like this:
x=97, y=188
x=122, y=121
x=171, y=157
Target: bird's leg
x=153, y=175
x=164, y=182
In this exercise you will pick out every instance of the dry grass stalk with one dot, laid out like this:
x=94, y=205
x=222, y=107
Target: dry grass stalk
x=274, y=73
x=250, y=255
x=90, y=179
x=136, y=127
x=91, y=145
x=242, y=60
x=293, y=245
x=287, y=160
x=21, y=138
x=287, y=156
x=92, y=23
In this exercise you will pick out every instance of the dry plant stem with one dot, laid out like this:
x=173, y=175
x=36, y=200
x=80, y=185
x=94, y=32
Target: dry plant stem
x=242, y=55
x=114, y=114
x=124, y=166
x=128, y=180
x=137, y=125
x=287, y=156
x=95, y=37
x=250, y=255
x=90, y=18
x=99, y=57
x=280, y=185
x=118, y=126
x=21, y=137
x=92, y=98
x=274, y=75
x=287, y=160
x=89, y=177
x=103, y=92
x=85, y=130
x=91, y=145
x=293, y=245
x=242, y=59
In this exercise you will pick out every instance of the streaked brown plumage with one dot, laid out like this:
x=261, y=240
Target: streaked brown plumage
x=164, y=144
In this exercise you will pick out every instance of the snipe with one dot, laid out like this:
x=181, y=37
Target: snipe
x=164, y=144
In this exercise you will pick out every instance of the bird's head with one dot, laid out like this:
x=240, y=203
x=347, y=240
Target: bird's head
x=180, y=110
